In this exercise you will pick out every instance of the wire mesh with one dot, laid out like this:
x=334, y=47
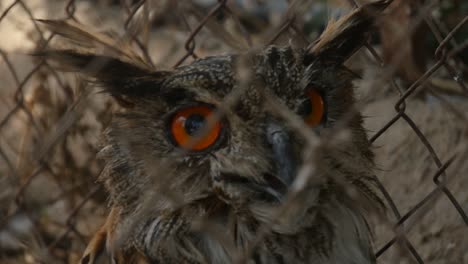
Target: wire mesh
x=49, y=121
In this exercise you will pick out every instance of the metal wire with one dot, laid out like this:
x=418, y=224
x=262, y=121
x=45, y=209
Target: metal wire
x=446, y=56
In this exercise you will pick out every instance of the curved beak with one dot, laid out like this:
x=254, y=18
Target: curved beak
x=283, y=153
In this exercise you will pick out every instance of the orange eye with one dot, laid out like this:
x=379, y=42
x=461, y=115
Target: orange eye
x=188, y=128
x=313, y=108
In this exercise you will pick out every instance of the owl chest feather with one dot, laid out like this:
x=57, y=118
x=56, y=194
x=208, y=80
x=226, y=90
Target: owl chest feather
x=336, y=234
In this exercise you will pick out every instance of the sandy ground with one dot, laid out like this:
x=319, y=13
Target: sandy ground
x=407, y=169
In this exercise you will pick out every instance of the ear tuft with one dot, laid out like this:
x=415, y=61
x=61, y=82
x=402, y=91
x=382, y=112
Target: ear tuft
x=119, y=78
x=94, y=42
x=96, y=66
x=109, y=62
x=344, y=37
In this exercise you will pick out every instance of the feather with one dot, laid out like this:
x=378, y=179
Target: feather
x=98, y=43
x=343, y=37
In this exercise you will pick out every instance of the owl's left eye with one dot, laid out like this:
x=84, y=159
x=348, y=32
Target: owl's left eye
x=188, y=128
x=312, y=108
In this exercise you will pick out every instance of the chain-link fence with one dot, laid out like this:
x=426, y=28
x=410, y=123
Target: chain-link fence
x=50, y=122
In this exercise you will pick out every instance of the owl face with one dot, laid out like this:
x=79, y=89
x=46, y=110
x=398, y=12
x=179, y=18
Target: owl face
x=181, y=130
x=204, y=128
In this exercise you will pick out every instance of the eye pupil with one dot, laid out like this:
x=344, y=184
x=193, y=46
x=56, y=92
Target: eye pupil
x=313, y=108
x=194, y=123
x=305, y=108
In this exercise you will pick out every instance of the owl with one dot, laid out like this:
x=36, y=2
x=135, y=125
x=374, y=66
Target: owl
x=256, y=157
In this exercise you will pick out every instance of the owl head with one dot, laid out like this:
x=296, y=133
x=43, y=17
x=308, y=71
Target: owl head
x=236, y=132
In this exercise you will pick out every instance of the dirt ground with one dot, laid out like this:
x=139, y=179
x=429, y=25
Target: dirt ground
x=407, y=169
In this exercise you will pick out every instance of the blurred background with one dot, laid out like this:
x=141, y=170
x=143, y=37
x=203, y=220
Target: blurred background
x=411, y=87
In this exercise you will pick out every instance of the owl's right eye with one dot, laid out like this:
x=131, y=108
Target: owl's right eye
x=188, y=128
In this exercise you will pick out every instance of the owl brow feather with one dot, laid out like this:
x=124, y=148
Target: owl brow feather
x=342, y=38
x=118, y=77
x=96, y=42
